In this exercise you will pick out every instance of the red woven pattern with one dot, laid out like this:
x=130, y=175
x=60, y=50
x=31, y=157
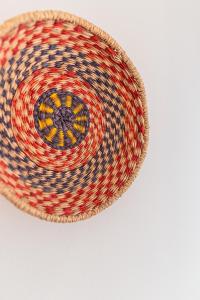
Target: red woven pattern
x=40, y=56
x=24, y=129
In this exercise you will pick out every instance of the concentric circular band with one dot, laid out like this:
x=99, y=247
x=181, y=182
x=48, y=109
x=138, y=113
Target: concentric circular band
x=73, y=117
x=23, y=122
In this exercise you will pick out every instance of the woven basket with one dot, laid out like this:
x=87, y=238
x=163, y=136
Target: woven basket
x=73, y=116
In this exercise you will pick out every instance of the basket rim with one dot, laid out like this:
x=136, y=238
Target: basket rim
x=9, y=193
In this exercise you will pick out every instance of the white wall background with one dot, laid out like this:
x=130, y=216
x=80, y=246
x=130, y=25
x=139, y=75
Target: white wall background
x=147, y=245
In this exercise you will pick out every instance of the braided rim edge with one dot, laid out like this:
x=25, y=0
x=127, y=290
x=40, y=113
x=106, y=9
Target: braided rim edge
x=52, y=14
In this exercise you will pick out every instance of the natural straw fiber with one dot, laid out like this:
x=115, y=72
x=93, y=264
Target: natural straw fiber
x=73, y=116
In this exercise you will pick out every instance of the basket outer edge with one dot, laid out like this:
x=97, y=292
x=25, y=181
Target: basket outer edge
x=52, y=14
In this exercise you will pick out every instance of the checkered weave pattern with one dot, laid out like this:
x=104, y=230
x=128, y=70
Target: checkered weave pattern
x=73, y=118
